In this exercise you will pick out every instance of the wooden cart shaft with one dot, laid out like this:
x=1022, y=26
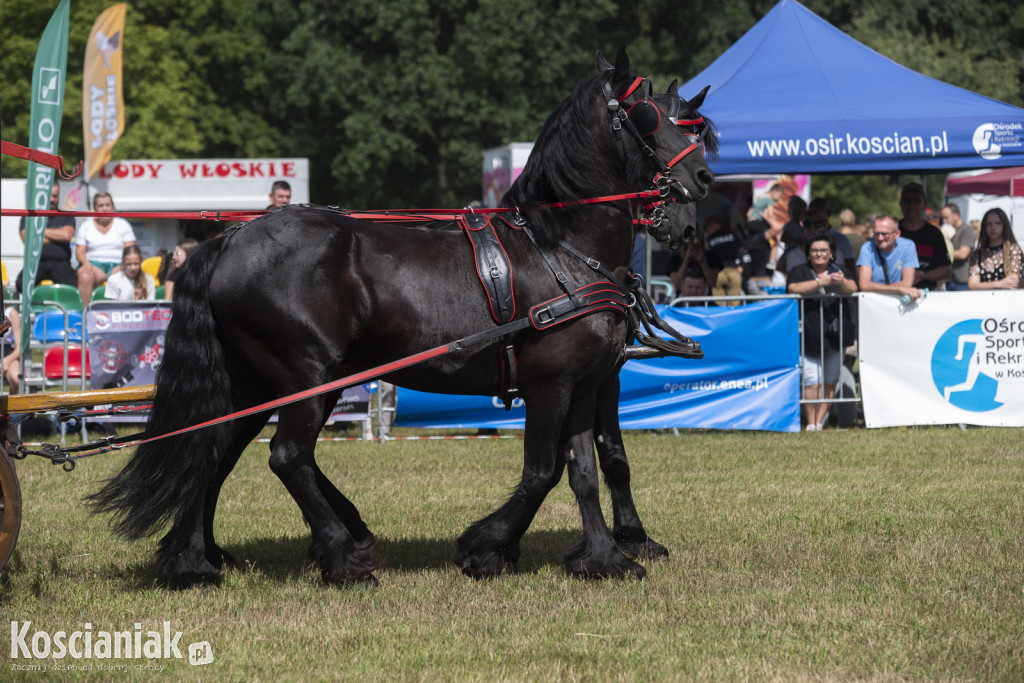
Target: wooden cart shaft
x=31, y=403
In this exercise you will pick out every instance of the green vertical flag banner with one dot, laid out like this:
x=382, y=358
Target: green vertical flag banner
x=47, y=108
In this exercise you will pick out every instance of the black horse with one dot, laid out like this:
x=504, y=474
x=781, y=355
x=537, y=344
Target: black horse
x=303, y=296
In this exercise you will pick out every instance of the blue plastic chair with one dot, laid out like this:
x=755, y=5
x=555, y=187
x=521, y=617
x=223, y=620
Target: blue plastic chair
x=49, y=327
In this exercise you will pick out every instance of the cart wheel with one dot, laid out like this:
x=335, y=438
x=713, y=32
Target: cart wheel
x=10, y=507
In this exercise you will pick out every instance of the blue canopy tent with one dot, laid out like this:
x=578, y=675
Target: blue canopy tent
x=797, y=95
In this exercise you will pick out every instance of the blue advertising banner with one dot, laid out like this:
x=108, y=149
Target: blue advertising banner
x=749, y=378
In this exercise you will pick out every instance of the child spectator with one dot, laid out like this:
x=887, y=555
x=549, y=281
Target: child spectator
x=725, y=244
x=131, y=283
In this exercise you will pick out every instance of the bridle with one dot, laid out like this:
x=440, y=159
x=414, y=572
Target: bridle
x=643, y=118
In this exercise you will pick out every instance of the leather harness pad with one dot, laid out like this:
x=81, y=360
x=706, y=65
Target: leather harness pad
x=589, y=299
x=494, y=271
x=492, y=266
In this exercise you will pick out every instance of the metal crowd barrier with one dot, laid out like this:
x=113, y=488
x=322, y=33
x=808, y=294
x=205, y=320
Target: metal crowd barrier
x=846, y=402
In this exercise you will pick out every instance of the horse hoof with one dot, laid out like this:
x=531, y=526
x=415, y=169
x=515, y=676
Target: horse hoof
x=348, y=562
x=638, y=545
x=485, y=566
x=177, y=575
x=652, y=550
x=220, y=557
x=582, y=563
x=367, y=581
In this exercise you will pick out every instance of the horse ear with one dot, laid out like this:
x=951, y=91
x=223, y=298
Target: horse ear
x=601, y=63
x=673, y=87
x=697, y=101
x=621, y=64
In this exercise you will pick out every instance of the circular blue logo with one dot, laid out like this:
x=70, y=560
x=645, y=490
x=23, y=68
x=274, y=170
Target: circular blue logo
x=957, y=368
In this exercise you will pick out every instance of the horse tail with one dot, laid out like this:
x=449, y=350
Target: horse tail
x=162, y=479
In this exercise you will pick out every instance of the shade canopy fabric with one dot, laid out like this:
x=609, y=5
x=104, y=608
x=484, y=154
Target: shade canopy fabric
x=1005, y=182
x=797, y=95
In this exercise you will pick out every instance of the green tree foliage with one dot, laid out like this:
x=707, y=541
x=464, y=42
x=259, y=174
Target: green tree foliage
x=393, y=102
x=180, y=74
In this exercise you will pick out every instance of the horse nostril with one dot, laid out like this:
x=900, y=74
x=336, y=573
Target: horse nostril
x=705, y=177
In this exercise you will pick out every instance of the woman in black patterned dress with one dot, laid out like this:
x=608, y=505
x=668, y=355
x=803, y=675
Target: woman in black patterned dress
x=996, y=263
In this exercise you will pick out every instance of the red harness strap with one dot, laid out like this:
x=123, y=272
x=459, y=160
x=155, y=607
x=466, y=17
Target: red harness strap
x=38, y=156
x=188, y=215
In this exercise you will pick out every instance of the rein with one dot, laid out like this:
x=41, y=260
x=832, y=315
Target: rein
x=379, y=215
x=629, y=299
x=40, y=157
x=587, y=299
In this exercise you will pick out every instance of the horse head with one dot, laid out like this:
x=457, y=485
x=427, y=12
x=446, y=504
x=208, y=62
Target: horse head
x=670, y=131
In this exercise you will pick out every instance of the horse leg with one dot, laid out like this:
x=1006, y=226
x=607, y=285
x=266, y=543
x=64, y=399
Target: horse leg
x=342, y=559
x=627, y=528
x=244, y=434
x=342, y=506
x=189, y=553
x=598, y=555
x=485, y=547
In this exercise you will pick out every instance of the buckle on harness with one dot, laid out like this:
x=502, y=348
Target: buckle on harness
x=543, y=315
x=593, y=263
x=495, y=272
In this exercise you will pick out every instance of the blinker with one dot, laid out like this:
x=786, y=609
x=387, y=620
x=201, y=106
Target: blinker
x=646, y=117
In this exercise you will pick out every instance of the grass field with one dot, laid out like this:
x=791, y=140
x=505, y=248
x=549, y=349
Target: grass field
x=885, y=554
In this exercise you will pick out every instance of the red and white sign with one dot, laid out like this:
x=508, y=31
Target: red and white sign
x=196, y=184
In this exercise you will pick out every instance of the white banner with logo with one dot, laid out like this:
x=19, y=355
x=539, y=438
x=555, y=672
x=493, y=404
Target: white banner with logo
x=950, y=358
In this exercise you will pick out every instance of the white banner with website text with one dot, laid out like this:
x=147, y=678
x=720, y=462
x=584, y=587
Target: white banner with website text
x=950, y=358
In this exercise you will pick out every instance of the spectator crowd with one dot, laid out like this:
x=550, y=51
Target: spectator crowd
x=789, y=245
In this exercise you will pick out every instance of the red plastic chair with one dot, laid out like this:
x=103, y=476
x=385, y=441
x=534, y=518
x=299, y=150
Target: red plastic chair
x=53, y=363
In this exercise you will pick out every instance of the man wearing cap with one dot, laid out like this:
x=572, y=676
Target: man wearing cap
x=934, y=265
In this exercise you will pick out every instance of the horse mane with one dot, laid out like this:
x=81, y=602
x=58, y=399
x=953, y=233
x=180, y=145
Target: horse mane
x=570, y=160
